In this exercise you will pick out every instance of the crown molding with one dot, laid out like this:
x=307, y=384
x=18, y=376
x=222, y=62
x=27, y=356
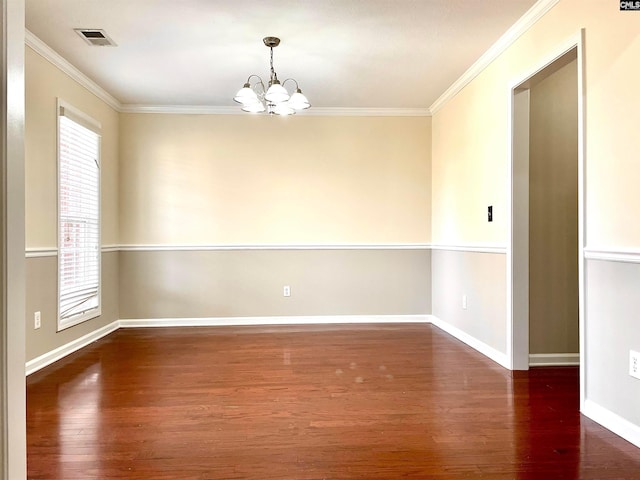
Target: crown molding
x=313, y=112
x=505, y=41
x=56, y=59
x=180, y=109
x=521, y=26
x=535, y=13
x=367, y=112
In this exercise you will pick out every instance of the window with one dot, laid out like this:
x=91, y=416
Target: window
x=78, y=217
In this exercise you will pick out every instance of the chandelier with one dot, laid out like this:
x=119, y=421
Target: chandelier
x=274, y=100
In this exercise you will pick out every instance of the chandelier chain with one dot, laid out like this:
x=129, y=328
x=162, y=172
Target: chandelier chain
x=273, y=72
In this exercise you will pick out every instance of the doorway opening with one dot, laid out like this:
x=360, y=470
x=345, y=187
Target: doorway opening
x=545, y=258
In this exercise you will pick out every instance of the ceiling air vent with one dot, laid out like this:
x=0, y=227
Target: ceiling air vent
x=95, y=37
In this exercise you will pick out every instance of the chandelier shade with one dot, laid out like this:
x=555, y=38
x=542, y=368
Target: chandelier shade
x=298, y=101
x=246, y=95
x=274, y=99
x=283, y=109
x=276, y=93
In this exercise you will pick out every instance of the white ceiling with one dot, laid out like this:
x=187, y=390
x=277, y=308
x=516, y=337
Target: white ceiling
x=344, y=53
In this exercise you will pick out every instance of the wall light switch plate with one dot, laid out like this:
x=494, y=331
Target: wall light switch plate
x=37, y=320
x=634, y=364
x=490, y=213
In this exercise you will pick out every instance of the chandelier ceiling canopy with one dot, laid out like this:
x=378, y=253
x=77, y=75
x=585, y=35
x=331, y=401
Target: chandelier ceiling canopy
x=274, y=99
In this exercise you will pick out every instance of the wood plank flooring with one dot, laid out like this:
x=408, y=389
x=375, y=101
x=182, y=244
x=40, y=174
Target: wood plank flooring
x=306, y=403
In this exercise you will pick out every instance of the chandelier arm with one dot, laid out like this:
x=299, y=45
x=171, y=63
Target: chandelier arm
x=262, y=93
x=293, y=80
x=259, y=82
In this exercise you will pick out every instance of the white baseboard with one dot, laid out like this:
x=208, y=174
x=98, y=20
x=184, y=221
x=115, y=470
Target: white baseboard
x=554, y=359
x=48, y=358
x=488, y=351
x=290, y=320
x=611, y=421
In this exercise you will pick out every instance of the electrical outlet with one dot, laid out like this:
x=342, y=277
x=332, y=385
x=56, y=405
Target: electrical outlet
x=37, y=320
x=634, y=364
x=464, y=302
x=286, y=291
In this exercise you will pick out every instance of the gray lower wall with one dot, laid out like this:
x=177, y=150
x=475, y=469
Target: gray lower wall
x=41, y=294
x=482, y=278
x=178, y=284
x=187, y=284
x=240, y=283
x=613, y=326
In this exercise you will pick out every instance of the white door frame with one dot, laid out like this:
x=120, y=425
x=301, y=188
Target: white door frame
x=13, y=458
x=517, y=265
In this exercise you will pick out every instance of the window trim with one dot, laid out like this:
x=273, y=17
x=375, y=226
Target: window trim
x=65, y=109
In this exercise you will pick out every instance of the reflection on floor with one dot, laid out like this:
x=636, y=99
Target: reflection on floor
x=313, y=402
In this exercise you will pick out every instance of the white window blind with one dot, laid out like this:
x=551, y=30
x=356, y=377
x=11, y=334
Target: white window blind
x=78, y=218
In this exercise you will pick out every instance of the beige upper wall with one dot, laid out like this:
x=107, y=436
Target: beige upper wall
x=44, y=84
x=243, y=179
x=233, y=179
x=470, y=134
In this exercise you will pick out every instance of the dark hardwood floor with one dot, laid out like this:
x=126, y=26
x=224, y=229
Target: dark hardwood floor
x=321, y=402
